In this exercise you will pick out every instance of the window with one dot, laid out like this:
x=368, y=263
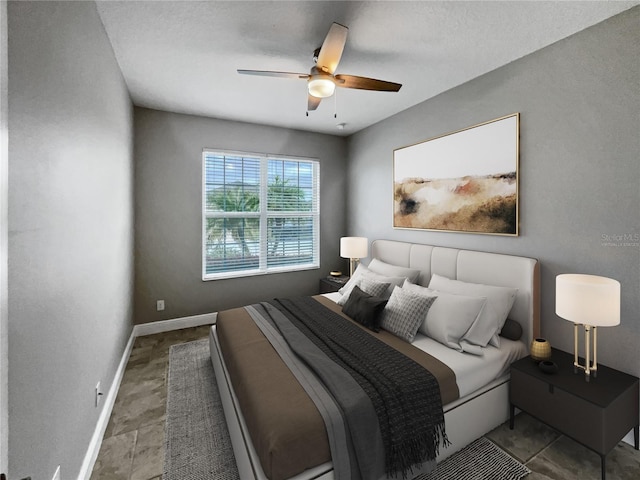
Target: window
x=260, y=214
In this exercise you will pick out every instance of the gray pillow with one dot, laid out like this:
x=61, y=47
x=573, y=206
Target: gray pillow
x=367, y=285
x=364, y=272
x=378, y=266
x=511, y=330
x=405, y=312
x=364, y=309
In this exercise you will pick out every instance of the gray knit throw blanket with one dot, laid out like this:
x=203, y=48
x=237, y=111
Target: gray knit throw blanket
x=405, y=396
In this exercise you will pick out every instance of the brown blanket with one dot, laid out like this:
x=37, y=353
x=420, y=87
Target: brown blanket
x=286, y=429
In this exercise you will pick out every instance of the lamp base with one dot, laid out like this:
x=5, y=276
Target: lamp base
x=590, y=368
x=353, y=263
x=587, y=374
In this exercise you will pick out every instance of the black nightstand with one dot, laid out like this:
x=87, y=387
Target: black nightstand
x=597, y=414
x=332, y=284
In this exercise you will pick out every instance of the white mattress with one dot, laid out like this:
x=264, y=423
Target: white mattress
x=472, y=371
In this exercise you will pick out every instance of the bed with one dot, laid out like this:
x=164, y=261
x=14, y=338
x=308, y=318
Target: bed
x=481, y=402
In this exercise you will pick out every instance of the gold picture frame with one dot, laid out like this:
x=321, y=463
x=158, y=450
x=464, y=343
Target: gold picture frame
x=464, y=181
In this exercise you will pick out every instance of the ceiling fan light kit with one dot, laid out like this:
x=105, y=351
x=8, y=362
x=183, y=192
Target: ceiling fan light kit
x=322, y=81
x=321, y=86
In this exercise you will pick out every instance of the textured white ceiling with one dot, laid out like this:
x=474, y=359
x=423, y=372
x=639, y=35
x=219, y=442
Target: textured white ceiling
x=182, y=56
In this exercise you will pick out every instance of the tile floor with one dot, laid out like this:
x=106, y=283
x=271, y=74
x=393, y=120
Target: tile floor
x=133, y=444
x=552, y=456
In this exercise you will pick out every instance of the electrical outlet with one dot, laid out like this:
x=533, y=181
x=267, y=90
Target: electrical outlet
x=160, y=305
x=98, y=394
x=56, y=476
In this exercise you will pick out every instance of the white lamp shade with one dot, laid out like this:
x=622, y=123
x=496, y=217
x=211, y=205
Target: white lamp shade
x=354, y=247
x=588, y=300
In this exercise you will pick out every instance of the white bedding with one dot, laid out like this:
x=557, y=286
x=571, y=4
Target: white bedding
x=472, y=371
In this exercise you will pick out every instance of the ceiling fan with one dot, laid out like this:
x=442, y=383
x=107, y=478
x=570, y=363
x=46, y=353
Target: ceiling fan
x=322, y=80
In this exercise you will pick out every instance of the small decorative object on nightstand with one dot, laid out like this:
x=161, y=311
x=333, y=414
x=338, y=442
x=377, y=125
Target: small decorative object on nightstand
x=548, y=367
x=540, y=350
x=597, y=414
x=332, y=284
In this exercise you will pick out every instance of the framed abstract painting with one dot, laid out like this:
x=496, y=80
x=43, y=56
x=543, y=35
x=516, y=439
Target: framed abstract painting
x=464, y=181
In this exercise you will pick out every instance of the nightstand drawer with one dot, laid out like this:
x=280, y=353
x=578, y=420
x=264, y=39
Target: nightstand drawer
x=571, y=415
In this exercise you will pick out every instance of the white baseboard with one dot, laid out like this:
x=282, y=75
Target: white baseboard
x=103, y=420
x=140, y=330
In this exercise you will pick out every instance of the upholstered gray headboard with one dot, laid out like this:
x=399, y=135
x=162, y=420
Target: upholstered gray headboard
x=477, y=267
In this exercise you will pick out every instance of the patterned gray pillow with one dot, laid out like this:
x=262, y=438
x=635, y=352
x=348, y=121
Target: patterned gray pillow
x=367, y=285
x=404, y=313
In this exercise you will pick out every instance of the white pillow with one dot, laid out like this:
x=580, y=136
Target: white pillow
x=378, y=266
x=368, y=286
x=363, y=271
x=352, y=281
x=450, y=317
x=486, y=328
x=404, y=313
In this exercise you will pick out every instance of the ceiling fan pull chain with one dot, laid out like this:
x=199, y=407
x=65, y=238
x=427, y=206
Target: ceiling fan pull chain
x=335, y=104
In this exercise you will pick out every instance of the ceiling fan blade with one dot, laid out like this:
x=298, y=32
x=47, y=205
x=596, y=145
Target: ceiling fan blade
x=312, y=102
x=332, y=47
x=364, y=83
x=268, y=73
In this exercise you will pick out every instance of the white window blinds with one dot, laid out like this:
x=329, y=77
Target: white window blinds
x=260, y=214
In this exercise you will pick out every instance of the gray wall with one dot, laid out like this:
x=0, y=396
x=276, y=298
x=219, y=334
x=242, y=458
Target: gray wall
x=168, y=199
x=70, y=231
x=579, y=168
x=4, y=214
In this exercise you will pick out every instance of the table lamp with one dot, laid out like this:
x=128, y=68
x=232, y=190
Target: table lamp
x=591, y=301
x=353, y=248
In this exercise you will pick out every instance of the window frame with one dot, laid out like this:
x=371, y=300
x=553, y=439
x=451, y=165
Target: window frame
x=262, y=214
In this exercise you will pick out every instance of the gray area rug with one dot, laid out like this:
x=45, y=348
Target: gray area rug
x=197, y=444
x=480, y=460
